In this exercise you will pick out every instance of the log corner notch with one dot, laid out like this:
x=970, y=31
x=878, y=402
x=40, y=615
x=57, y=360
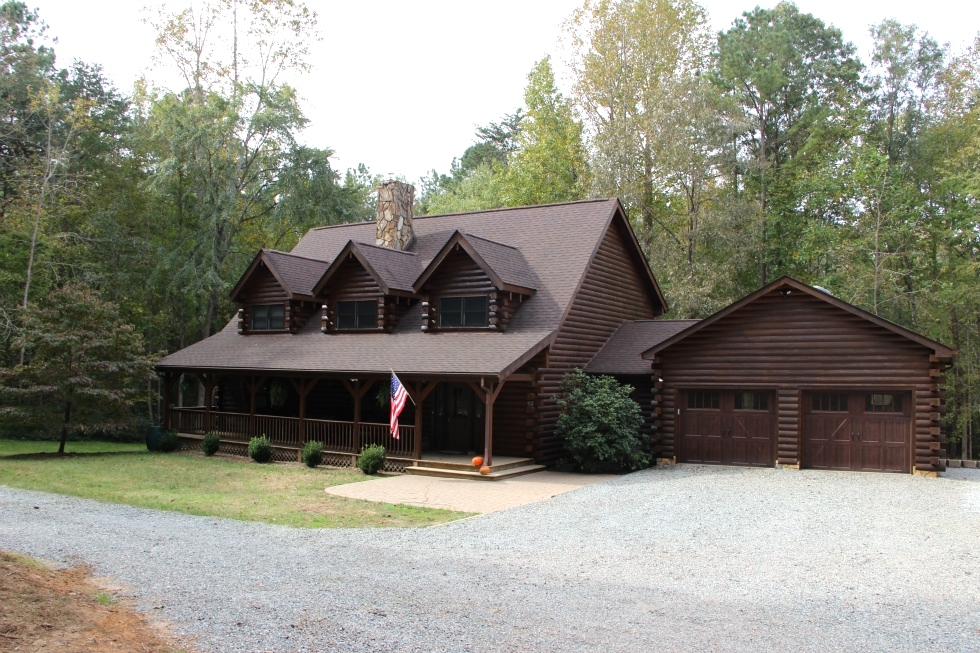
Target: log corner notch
x=930, y=422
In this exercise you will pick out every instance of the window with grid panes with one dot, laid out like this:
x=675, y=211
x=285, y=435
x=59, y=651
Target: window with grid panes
x=267, y=317
x=357, y=314
x=463, y=311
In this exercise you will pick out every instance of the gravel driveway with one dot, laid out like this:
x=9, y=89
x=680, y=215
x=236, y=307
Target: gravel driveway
x=678, y=558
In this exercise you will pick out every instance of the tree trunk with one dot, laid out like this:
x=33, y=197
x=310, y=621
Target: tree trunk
x=64, y=428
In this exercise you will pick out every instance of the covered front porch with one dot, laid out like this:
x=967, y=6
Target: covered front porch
x=446, y=423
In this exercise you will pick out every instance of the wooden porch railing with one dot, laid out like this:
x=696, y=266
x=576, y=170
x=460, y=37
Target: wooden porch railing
x=187, y=420
x=232, y=426
x=285, y=431
x=334, y=436
x=381, y=434
x=280, y=430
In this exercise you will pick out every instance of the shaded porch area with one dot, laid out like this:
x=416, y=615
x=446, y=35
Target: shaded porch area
x=446, y=423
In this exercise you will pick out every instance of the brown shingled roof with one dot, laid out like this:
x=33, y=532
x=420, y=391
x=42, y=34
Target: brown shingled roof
x=296, y=274
x=504, y=264
x=556, y=242
x=621, y=353
x=393, y=270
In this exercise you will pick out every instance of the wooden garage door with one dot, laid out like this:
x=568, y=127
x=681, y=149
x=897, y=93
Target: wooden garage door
x=859, y=431
x=727, y=427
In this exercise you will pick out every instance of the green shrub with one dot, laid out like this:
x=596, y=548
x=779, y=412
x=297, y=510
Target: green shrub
x=209, y=445
x=168, y=441
x=313, y=453
x=260, y=449
x=600, y=424
x=372, y=459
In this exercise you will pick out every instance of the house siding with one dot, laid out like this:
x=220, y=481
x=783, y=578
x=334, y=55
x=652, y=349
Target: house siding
x=613, y=291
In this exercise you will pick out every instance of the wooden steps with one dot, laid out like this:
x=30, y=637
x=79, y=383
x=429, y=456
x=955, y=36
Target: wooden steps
x=507, y=468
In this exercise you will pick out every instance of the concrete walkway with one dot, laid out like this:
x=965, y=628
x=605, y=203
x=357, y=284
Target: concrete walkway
x=468, y=495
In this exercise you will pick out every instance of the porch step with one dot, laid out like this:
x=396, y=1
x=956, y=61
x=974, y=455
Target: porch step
x=464, y=465
x=495, y=475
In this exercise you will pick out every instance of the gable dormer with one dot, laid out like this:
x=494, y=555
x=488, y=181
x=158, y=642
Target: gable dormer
x=367, y=288
x=473, y=283
x=275, y=295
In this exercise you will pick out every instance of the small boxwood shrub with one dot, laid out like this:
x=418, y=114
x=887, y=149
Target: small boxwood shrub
x=372, y=459
x=168, y=441
x=260, y=449
x=313, y=453
x=210, y=443
x=600, y=424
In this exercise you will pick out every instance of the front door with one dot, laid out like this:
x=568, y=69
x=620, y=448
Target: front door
x=458, y=419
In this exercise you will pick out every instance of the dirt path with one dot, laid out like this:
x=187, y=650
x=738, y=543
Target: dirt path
x=64, y=611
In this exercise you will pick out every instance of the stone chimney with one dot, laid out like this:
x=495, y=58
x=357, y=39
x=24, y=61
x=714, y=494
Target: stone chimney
x=395, y=200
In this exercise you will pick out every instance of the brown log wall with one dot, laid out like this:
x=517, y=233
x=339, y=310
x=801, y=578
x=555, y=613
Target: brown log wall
x=514, y=420
x=263, y=288
x=795, y=343
x=612, y=292
x=458, y=275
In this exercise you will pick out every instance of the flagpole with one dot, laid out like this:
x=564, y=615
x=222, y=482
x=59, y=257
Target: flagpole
x=399, y=380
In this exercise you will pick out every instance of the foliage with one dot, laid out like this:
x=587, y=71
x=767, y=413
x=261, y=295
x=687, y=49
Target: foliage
x=168, y=441
x=83, y=366
x=372, y=459
x=313, y=453
x=794, y=77
x=600, y=424
x=260, y=449
x=210, y=444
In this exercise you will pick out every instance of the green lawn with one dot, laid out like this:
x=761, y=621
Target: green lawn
x=279, y=493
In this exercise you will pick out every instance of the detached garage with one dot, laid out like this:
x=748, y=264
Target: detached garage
x=791, y=375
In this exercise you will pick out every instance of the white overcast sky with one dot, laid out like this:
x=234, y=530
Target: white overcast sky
x=400, y=85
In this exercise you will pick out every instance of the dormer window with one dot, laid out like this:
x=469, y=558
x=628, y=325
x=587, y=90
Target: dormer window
x=357, y=314
x=463, y=312
x=268, y=317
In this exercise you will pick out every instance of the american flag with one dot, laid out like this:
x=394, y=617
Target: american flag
x=398, y=398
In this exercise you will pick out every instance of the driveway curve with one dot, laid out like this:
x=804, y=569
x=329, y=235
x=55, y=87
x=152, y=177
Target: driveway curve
x=685, y=558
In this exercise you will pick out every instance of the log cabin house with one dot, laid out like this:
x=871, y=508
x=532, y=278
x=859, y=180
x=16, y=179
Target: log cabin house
x=481, y=314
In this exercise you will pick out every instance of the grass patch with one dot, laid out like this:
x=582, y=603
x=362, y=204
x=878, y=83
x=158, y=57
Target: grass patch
x=281, y=493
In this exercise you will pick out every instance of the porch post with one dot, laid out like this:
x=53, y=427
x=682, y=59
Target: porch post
x=252, y=390
x=209, y=383
x=357, y=416
x=417, y=448
x=488, y=425
x=419, y=392
x=165, y=413
x=489, y=393
x=303, y=389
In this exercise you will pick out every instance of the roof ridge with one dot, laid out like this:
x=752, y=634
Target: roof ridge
x=516, y=208
x=466, y=234
x=290, y=254
x=381, y=247
x=342, y=224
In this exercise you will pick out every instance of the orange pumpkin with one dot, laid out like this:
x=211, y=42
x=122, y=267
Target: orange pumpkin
x=477, y=461
x=484, y=470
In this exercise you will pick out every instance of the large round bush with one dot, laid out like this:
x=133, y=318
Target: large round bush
x=372, y=459
x=600, y=424
x=260, y=449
